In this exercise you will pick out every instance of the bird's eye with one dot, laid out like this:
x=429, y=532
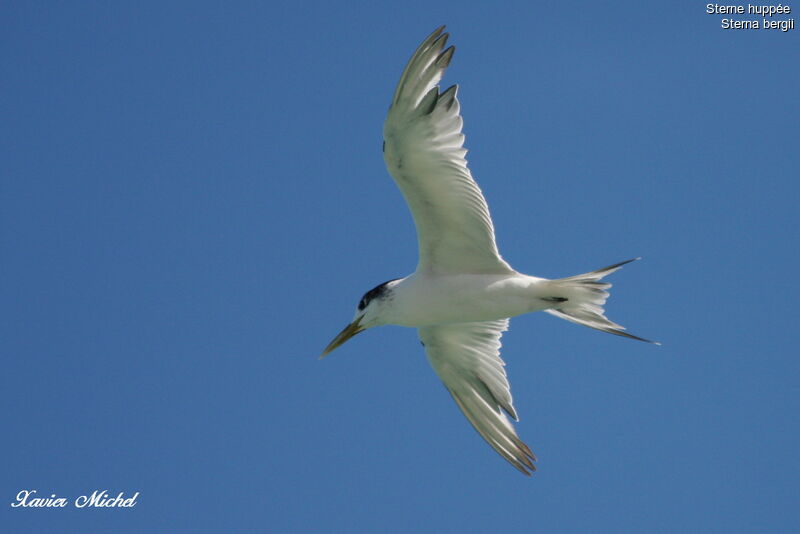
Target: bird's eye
x=376, y=292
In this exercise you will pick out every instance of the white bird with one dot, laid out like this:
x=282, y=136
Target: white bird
x=462, y=293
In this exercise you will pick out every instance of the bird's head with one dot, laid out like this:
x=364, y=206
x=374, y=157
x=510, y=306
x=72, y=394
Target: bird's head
x=368, y=314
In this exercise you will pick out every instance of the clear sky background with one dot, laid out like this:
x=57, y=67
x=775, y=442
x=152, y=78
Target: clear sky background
x=194, y=199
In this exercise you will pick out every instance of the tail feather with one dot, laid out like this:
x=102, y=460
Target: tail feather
x=583, y=298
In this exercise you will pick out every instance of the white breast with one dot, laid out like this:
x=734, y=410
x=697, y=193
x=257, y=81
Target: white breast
x=422, y=300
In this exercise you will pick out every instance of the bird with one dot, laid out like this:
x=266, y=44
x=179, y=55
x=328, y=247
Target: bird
x=462, y=293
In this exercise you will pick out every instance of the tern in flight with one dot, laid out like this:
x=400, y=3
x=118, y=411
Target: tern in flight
x=462, y=293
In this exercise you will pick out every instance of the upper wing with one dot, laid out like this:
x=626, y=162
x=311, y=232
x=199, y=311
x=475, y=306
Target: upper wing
x=466, y=356
x=423, y=149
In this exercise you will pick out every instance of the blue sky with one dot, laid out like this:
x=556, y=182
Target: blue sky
x=194, y=199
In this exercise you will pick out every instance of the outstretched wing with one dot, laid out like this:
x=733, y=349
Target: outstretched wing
x=423, y=149
x=466, y=356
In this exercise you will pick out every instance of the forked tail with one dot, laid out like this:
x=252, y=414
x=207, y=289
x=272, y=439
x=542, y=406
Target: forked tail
x=583, y=298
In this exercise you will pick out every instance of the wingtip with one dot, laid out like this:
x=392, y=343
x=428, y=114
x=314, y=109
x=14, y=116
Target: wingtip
x=440, y=42
x=446, y=57
x=525, y=461
x=528, y=469
x=436, y=34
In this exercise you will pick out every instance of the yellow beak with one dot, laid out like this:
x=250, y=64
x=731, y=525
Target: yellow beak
x=348, y=332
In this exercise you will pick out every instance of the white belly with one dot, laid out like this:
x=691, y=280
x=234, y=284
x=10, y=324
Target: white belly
x=422, y=300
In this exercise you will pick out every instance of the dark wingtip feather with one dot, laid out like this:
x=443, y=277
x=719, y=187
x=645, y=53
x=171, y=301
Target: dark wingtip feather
x=443, y=61
x=435, y=33
x=441, y=40
x=428, y=102
x=448, y=97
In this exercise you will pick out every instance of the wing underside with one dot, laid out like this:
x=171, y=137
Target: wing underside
x=466, y=356
x=424, y=152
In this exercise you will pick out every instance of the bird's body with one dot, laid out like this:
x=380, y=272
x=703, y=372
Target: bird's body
x=425, y=299
x=462, y=293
